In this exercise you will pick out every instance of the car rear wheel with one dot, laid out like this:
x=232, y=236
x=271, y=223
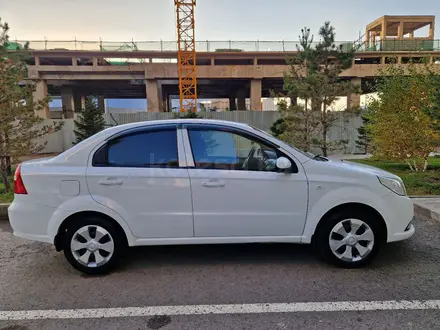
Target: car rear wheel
x=349, y=240
x=93, y=245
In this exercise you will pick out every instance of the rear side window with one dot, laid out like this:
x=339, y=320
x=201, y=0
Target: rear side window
x=145, y=149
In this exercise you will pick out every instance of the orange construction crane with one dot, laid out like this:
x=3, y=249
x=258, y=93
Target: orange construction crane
x=186, y=54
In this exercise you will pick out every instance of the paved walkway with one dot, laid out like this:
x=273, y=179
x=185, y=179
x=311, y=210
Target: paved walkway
x=428, y=207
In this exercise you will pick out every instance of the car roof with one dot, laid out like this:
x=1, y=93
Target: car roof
x=178, y=121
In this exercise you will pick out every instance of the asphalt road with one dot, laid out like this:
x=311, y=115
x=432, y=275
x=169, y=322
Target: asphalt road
x=35, y=277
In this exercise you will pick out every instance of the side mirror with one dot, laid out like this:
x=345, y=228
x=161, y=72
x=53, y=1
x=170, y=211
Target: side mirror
x=283, y=163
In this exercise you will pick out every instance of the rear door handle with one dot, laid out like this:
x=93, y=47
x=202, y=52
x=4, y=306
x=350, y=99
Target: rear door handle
x=214, y=183
x=110, y=182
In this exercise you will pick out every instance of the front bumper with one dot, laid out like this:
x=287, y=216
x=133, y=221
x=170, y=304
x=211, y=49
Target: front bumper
x=398, y=216
x=402, y=236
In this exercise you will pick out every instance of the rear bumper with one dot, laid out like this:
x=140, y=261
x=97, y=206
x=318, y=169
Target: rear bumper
x=29, y=220
x=39, y=238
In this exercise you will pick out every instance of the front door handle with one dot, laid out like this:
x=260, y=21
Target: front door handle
x=214, y=183
x=110, y=182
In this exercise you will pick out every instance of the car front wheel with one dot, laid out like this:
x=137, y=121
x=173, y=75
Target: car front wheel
x=93, y=245
x=349, y=241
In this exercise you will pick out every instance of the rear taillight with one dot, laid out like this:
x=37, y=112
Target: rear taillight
x=19, y=187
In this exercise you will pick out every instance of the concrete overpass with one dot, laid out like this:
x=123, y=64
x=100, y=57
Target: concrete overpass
x=233, y=73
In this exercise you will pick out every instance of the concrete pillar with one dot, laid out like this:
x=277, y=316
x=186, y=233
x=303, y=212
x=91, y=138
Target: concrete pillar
x=383, y=30
x=232, y=103
x=256, y=94
x=95, y=61
x=101, y=103
x=241, y=99
x=37, y=60
x=67, y=102
x=152, y=95
x=431, y=30
x=400, y=30
x=79, y=102
x=162, y=98
x=212, y=61
x=74, y=61
x=354, y=99
x=40, y=94
x=164, y=102
x=169, y=104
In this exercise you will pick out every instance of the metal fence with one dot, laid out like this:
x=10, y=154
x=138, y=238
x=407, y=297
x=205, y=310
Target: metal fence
x=344, y=128
x=229, y=45
x=262, y=120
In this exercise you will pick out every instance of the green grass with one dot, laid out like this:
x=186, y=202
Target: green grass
x=416, y=183
x=4, y=196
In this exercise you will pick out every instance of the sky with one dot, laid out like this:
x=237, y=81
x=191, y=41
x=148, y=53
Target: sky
x=151, y=20
x=143, y=20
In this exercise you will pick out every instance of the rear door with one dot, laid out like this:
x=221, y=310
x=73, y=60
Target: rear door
x=139, y=175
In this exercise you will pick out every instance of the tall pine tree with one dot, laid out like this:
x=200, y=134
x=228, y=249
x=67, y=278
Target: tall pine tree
x=314, y=78
x=90, y=121
x=364, y=140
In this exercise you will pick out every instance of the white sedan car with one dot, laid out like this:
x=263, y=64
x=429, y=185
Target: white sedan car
x=201, y=182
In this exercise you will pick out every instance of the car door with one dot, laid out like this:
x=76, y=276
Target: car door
x=236, y=187
x=139, y=175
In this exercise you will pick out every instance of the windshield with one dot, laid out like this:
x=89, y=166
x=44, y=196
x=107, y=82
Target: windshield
x=307, y=154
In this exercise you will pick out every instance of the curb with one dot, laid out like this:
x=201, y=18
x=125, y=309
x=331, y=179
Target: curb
x=425, y=211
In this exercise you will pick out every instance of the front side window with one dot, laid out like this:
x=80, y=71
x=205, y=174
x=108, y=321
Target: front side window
x=218, y=149
x=145, y=149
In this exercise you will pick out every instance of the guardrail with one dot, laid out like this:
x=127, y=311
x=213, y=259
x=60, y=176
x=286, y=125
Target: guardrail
x=223, y=46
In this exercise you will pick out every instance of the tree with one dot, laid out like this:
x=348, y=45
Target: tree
x=186, y=115
x=278, y=127
x=90, y=121
x=21, y=128
x=434, y=111
x=364, y=140
x=314, y=78
x=299, y=121
x=400, y=119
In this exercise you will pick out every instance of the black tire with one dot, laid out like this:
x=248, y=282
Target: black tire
x=115, y=234
x=321, y=238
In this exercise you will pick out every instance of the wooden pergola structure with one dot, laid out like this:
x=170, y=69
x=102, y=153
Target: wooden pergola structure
x=392, y=28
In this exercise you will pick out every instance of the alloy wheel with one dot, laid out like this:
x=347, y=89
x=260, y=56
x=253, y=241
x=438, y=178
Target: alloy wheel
x=351, y=240
x=92, y=246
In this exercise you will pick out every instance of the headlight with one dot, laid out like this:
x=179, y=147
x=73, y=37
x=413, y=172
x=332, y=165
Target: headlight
x=394, y=185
